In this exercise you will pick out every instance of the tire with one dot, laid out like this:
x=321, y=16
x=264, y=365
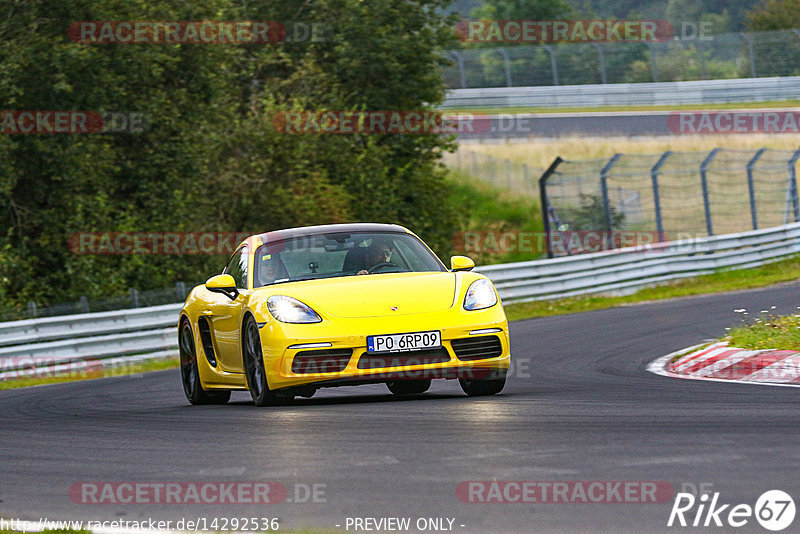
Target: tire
x=408, y=387
x=190, y=374
x=485, y=387
x=254, y=367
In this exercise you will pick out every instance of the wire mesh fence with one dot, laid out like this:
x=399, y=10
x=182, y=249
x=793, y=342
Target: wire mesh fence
x=498, y=172
x=721, y=56
x=669, y=196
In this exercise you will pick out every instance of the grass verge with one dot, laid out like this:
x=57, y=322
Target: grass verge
x=133, y=368
x=486, y=210
x=781, y=271
x=767, y=331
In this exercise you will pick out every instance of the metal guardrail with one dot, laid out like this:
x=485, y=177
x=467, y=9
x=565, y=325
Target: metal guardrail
x=628, y=269
x=112, y=338
x=628, y=94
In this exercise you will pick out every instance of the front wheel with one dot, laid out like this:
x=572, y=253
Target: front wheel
x=484, y=387
x=254, y=367
x=190, y=375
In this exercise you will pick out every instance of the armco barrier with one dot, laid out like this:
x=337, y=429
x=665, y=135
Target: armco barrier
x=632, y=268
x=628, y=94
x=130, y=335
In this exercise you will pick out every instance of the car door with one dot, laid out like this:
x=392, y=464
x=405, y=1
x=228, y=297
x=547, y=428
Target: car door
x=225, y=315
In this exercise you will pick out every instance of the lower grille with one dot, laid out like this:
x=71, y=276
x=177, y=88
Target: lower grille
x=477, y=348
x=321, y=361
x=399, y=359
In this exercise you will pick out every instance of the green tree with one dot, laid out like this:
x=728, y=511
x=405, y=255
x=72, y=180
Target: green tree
x=774, y=15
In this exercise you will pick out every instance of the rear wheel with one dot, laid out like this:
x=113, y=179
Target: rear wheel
x=190, y=375
x=254, y=367
x=408, y=387
x=486, y=386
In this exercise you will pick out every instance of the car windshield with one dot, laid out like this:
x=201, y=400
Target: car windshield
x=341, y=254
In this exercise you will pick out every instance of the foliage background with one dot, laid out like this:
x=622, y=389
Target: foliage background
x=211, y=159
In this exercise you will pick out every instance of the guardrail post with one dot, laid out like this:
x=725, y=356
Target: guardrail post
x=704, y=183
x=134, y=297
x=752, y=188
x=180, y=289
x=553, y=63
x=32, y=312
x=506, y=66
x=602, y=59
x=656, y=194
x=751, y=53
x=461, y=74
x=653, y=67
x=793, y=185
x=84, y=304
x=545, y=204
x=604, y=190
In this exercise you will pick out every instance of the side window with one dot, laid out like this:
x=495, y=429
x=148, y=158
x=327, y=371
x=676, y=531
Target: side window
x=237, y=267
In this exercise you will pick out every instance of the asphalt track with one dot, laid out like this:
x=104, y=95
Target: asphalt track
x=580, y=406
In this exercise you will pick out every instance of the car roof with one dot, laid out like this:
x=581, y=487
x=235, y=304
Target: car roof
x=304, y=231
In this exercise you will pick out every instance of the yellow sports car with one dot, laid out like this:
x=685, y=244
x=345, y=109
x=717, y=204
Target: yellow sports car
x=345, y=304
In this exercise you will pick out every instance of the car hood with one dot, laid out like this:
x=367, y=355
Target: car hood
x=375, y=294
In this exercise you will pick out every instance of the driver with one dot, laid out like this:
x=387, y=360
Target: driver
x=378, y=252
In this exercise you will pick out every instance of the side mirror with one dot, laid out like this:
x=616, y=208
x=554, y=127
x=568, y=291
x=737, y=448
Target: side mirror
x=223, y=283
x=461, y=263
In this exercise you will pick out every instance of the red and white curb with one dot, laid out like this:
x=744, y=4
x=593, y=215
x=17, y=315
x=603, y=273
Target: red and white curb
x=721, y=363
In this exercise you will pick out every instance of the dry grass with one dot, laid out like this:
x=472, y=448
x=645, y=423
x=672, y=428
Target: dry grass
x=540, y=153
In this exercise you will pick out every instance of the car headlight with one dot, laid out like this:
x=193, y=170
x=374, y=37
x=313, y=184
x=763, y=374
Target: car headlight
x=290, y=310
x=480, y=295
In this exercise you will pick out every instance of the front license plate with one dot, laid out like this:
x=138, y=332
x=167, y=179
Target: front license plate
x=405, y=342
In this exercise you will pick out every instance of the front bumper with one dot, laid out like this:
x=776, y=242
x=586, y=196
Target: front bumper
x=349, y=334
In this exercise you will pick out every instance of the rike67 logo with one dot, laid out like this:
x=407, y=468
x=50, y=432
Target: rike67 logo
x=774, y=510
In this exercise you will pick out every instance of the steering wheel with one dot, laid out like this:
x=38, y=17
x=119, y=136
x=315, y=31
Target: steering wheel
x=375, y=268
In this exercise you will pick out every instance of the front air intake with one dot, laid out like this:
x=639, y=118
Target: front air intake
x=477, y=348
x=321, y=361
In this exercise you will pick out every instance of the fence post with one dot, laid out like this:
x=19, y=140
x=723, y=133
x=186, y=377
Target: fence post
x=602, y=58
x=704, y=183
x=752, y=188
x=793, y=185
x=180, y=289
x=653, y=67
x=553, y=63
x=134, y=297
x=751, y=53
x=545, y=204
x=462, y=75
x=656, y=194
x=506, y=66
x=604, y=190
